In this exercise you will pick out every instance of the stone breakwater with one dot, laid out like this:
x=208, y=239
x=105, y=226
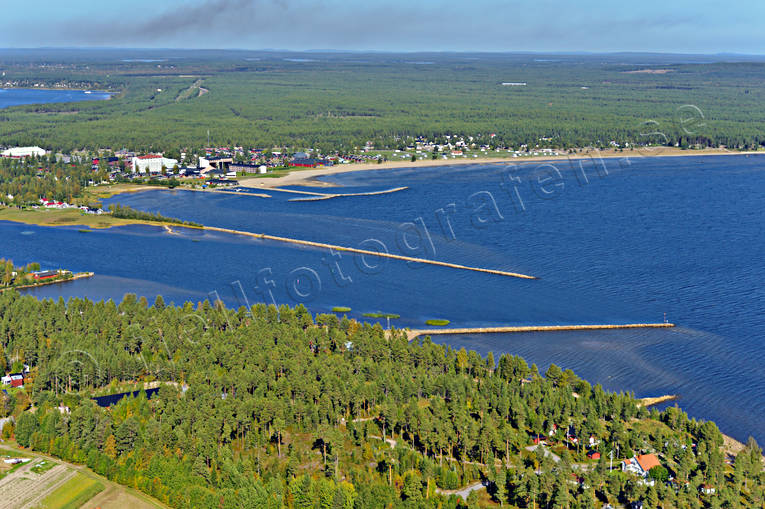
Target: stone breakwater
x=354, y=250
x=412, y=334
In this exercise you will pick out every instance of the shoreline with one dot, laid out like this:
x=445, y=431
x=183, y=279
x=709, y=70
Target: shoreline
x=67, y=217
x=63, y=89
x=731, y=445
x=75, y=277
x=301, y=177
x=310, y=178
x=651, y=401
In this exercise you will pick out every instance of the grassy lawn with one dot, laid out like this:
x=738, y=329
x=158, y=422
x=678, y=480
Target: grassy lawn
x=43, y=466
x=98, y=193
x=6, y=468
x=65, y=217
x=274, y=172
x=651, y=427
x=58, y=217
x=11, y=453
x=13, y=390
x=4, y=472
x=73, y=494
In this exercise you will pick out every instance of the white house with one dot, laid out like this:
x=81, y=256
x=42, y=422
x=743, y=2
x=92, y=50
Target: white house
x=24, y=152
x=152, y=163
x=640, y=465
x=13, y=379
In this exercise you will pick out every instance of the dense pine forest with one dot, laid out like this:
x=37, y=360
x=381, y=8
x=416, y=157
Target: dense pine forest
x=25, y=182
x=268, y=407
x=169, y=100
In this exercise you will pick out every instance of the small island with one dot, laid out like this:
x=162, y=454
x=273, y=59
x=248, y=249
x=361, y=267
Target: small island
x=30, y=276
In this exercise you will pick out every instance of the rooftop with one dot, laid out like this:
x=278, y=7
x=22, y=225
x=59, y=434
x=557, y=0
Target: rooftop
x=648, y=461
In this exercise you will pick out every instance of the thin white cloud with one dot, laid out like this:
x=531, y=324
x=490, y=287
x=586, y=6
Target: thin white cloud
x=544, y=25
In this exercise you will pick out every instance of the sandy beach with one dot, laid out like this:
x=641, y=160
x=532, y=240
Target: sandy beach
x=310, y=177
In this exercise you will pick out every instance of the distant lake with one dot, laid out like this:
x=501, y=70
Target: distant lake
x=19, y=96
x=681, y=235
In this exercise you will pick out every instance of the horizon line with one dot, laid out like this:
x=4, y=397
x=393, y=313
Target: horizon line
x=389, y=52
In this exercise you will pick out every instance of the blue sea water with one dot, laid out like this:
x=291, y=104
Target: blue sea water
x=18, y=96
x=635, y=239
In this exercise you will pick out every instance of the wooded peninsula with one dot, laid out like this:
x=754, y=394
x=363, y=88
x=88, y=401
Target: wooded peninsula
x=273, y=407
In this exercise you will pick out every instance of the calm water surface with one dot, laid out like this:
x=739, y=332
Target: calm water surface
x=681, y=236
x=18, y=96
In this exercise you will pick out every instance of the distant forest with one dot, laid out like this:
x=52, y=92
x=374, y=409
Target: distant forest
x=338, y=102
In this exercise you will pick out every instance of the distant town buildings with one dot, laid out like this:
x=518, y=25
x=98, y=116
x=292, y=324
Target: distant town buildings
x=152, y=163
x=222, y=182
x=309, y=163
x=248, y=168
x=218, y=162
x=21, y=152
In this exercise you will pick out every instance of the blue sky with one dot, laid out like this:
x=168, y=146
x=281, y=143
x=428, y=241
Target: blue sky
x=682, y=26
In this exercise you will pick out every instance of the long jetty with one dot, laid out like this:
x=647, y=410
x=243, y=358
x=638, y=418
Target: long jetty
x=322, y=245
x=414, y=333
x=329, y=196
x=297, y=191
x=224, y=191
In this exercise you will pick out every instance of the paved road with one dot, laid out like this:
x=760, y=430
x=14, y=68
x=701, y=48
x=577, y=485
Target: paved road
x=464, y=492
x=390, y=441
x=547, y=452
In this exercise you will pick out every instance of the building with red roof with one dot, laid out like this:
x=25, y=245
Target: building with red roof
x=152, y=163
x=641, y=465
x=45, y=275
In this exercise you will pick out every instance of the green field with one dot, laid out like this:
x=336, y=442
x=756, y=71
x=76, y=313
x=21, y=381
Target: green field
x=43, y=466
x=341, y=101
x=73, y=494
x=61, y=218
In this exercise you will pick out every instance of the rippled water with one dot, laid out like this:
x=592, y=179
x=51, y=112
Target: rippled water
x=682, y=236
